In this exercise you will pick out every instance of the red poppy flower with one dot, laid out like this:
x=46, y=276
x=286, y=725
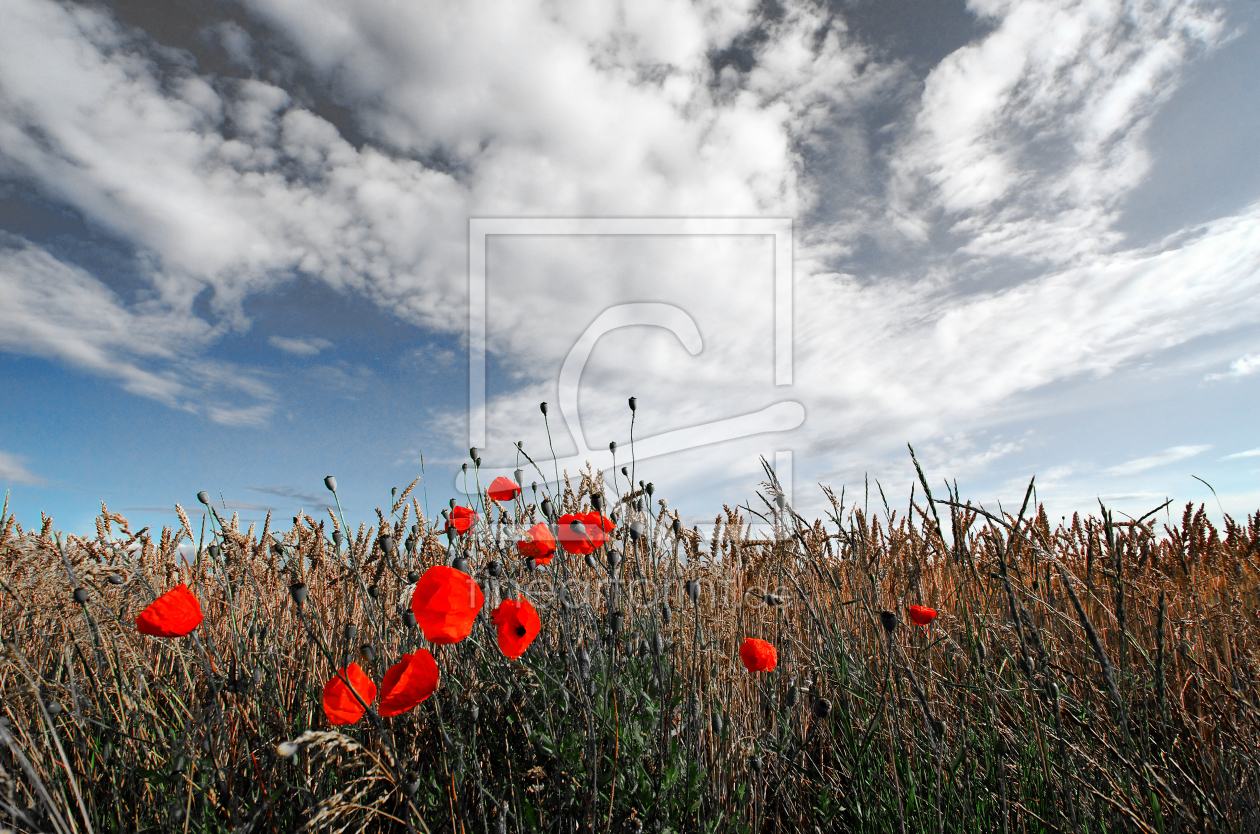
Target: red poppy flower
x=518, y=626
x=922, y=615
x=173, y=614
x=758, y=655
x=408, y=682
x=594, y=526
x=501, y=489
x=446, y=602
x=340, y=705
x=461, y=520
x=538, y=544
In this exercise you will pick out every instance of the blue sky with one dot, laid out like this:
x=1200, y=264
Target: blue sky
x=234, y=247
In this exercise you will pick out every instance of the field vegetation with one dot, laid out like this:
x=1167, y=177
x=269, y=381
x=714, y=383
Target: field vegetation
x=1086, y=675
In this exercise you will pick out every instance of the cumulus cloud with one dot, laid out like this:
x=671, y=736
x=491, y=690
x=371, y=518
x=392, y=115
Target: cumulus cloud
x=1240, y=367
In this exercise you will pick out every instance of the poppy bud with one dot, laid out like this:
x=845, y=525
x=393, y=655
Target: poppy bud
x=755, y=764
x=214, y=551
x=612, y=447
x=980, y=649
x=614, y=622
x=641, y=646
x=693, y=590
x=80, y=595
x=386, y=543
x=636, y=530
x=715, y=721
x=331, y=483
x=533, y=485
x=649, y=489
x=203, y=498
x=584, y=661
x=590, y=561
x=493, y=568
x=634, y=403
x=374, y=592
x=658, y=644
x=464, y=468
x=543, y=408
x=792, y=695
x=638, y=505
x=597, y=502
x=665, y=613
x=413, y=577
x=298, y=591
x=676, y=526
x=409, y=619
x=822, y=708
x=625, y=471
x=116, y=579
x=460, y=564
x=888, y=620
x=477, y=462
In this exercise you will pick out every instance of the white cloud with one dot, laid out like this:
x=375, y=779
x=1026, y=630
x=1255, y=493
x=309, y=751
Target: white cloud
x=309, y=346
x=1170, y=455
x=1250, y=453
x=1240, y=367
x=13, y=471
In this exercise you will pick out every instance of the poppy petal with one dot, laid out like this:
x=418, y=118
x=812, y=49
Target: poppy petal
x=501, y=489
x=340, y=705
x=173, y=614
x=758, y=655
x=408, y=683
x=445, y=603
x=518, y=625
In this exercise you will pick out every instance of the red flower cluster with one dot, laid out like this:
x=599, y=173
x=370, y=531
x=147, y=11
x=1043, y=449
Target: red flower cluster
x=758, y=655
x=595, y=527
x=518, y=625
x=446, y=602
x=173, y=614
x=538, y=544
x=501, y=489
x=461, y=520
x=920, y=614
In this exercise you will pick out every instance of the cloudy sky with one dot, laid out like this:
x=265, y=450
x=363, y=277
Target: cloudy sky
x=236, y=248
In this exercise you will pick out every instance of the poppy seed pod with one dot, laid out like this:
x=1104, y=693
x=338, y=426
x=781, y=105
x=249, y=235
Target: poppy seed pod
x=612, y=447
x=597, y=502
x=338, y=537
x=577, y=527
x=374, y=592
x=386, y=543
x=452, y=503
x=116, y=579
x=412, y=577
x=649, y=489
x=938, y=727
x=665, y=613
x=350, y=631
x=409, y=544
x=590, y=561
x=493, y=568
x=214, y=551
x=638, y=505
x=547, y=509
x=693, y=590
x=614, y=558
x=409, y=619
x=331, y=483
x=755, y=764
x=715, y=721
x=477, y=462
x=822, y=708
x=636, y=530
x=676, y=526
x=634, y=403
x=279, y=551
x=460, y=564
x=584, y=661
x=625, y=471
x=614, y=622
x=203, y=498
x=543, y=408
x=367, y=651
x=80, y=595
x=888, y=620
x=54, y=708
x=517, y=475
x=780, y=500
x=464, y=467
x=257, y=676
x=792, y=695
x=472, y=453
x=298, y=591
